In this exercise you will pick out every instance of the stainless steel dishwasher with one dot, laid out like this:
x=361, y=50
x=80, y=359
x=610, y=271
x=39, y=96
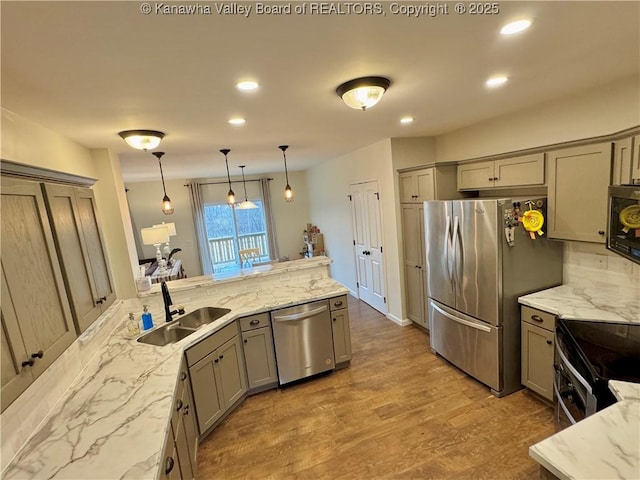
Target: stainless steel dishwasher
x=303, y=339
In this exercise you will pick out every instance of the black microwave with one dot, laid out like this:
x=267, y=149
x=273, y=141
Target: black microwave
x=623, y=236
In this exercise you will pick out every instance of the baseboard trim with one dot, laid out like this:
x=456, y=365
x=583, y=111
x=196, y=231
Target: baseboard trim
x=399, y=321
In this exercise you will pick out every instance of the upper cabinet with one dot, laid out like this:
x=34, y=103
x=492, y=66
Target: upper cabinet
x=525, y=170
x=37, y=324
x=578, y=179
x=635, y=161
x=622, y=161
x=81, y=251
x=417, y=186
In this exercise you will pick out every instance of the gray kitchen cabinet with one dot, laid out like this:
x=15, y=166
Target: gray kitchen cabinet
x=340, y=330
x=34, y=333
x=635, y=161
x=417, y=186
x=81, y=251
x=523, y=170
x=170, y=469
x=577, y=203
x=538, y=343
x=414, y=263
x=259, y=355
x=184, y=427
x=622, y=161
x=218, y=378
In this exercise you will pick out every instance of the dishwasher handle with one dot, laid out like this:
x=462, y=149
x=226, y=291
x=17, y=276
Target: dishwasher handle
x=299, y=316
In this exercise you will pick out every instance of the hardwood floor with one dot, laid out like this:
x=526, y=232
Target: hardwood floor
x=399, y=411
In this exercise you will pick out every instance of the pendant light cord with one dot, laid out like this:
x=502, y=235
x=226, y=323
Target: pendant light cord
x=286, y=173
x=162, y=177
x=244, y=184
x=228, y=176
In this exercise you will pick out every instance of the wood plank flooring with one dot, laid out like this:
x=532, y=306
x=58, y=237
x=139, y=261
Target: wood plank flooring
x=399, y=411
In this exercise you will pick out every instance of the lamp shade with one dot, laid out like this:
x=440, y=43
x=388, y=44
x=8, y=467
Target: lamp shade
x=155, y=236
x=170, y=226
x=363, y=93
x=142, y=139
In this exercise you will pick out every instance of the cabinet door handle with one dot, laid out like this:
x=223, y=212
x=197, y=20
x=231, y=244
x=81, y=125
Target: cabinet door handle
x=168, y=465
x=549, y=342
x=537, y=318
x=221, y=357
x=334, y=319
x=186, y=410
x=490, y=179
x=28, y=363
x=183, y=376
x=101, y=300
x=216, y=360
x=38, y=354
x=98, y=301
x=600, y=232
x=254, y=322
x=496, y=178
x=179, y=405
x=246, y=341
x=338, y=303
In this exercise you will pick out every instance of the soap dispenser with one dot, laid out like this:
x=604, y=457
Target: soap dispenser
x=133, y=327
x=147, y=321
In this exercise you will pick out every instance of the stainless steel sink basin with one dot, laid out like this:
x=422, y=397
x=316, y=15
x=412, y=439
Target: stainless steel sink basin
x=183, y=326
x=202, y=316
x=170, y=333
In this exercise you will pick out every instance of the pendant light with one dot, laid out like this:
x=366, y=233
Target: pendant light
x=167, y=206
x=231, y=197
x=288, y=191
x=246, y=205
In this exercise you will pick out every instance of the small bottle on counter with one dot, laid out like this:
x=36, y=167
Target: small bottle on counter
x=133, y=327
x=147, y=321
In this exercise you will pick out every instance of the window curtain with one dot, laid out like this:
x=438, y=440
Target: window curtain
x=197, y=208
x=268, y=215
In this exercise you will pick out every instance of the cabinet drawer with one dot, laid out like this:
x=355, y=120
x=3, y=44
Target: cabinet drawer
x=538, y=317
x=209, y=344
x=254, y=321
x=338, y=302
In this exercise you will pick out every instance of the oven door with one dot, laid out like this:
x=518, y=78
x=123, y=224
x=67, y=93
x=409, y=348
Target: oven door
x=573, y=395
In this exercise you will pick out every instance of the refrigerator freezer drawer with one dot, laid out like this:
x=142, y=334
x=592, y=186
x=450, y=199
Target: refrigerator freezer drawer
x=468, y=343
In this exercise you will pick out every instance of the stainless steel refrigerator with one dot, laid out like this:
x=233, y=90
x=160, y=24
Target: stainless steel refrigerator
x=480, y=259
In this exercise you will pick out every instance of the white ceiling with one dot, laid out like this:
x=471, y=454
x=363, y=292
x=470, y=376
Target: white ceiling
x=90, y=69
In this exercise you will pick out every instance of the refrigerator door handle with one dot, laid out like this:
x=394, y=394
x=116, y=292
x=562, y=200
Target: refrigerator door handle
x=456, y=267
x=460, y=320
x=447, y=250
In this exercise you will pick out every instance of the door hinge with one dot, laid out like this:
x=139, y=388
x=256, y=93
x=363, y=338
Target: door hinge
x=354, y=243
x=380, y=248
x=377, y=195
x=357, y=285
x=384, y=299
x=349, y=197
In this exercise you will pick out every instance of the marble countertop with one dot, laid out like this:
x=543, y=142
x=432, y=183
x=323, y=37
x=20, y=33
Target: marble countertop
x=605, y=445
x=608, y=304
x=113, y=420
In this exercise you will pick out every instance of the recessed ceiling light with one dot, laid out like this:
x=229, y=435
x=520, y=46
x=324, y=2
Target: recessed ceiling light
x=496, y=81
x=406, y=120
x=237, y=121
x=247, y=85
x=515, y=27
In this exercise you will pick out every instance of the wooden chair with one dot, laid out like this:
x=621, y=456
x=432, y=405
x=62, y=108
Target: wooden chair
x=248, y=255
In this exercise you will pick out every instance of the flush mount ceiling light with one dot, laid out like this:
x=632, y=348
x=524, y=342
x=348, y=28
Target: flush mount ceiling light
x=231, y=197
x=247, y=85
x=288, y=191
x=496, y=81
x=142, y=139
x=406, y=120
x=515, y=27
x=237, y=121
x=246, y=205
x=167, y=206
x=363, y=93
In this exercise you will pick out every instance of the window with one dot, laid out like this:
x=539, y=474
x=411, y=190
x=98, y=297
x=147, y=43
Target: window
x=231, y=231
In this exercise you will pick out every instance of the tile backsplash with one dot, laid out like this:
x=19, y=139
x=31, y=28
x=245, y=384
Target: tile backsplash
x=592, y=265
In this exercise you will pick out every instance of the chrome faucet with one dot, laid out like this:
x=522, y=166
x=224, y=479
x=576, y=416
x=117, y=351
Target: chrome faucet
x=168, y=303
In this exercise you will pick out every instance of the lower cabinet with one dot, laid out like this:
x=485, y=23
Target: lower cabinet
x=170, y=469
x=259, y=355
x=340, y=330
x=538, y=343
x=218, y=378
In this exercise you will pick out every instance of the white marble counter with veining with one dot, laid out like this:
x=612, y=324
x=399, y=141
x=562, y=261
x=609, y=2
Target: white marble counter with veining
x=605, y=445
x=113, y=420
x=605, y=303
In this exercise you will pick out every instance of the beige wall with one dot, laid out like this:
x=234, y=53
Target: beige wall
x=331, y=212
x=28, y=143
x=600, y=111
x=412, y=151
x=290, y=218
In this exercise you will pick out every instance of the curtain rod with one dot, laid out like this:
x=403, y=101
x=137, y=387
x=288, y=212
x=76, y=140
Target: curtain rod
x=225, y=182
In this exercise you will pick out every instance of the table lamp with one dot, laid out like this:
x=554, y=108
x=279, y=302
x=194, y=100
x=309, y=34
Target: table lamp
x=172, y=233
x=157, y=236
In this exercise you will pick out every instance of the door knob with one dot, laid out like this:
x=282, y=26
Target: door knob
x=549, y=342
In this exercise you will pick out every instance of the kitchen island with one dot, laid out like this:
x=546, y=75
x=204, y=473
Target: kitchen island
x=607, y=443
x=113, y=420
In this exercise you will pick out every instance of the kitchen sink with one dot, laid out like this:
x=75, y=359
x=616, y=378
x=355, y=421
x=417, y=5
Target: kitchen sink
x=170, y=333
x=183, y=327
x=202, y=316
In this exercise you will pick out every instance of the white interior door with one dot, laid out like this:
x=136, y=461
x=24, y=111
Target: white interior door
x=367, y=231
